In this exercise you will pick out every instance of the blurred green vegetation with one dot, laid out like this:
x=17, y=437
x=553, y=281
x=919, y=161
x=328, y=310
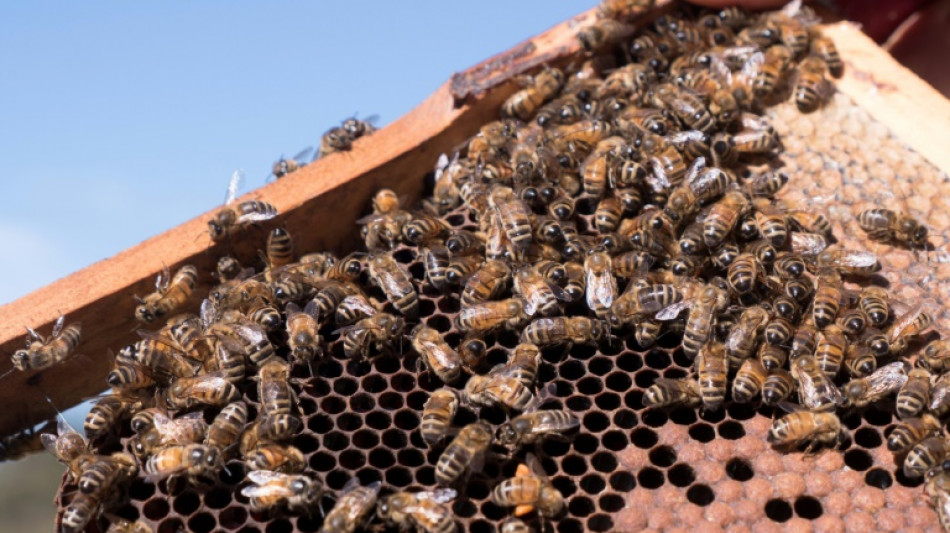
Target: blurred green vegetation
x=27, y=489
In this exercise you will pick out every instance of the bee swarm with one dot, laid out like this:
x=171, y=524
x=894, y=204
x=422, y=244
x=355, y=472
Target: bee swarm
x=630, y=464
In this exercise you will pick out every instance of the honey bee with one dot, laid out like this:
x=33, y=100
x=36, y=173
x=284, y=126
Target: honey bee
x=811, y=88
x=852, y=321
x=498, y=388
x=121, y=525
x=353, y=508
x=529, y=490
x=575, y=282
x=772, y=356
x=284, y=166
x=436, y=261
x=423, y=229
x=925, y=455
x=396, y=283
x=770, y=67
x=225, y=431
x=460, y=268
x=685, y=105
x=874, y=302
x=859, y=361
x=170, y=294
x=107, y=473
x=816, y=391
x=540, y=295
x=830, y=347
x=235, y=216
x=465, y=454
x=211, y=389
x=514, y=525
x=190, y=460
x=383, y=230
x=69, y=448
x=158, y=355
x=277, y=458
x=642, y=298
x=423, y=511
x=914, y=396
x=43, y=352
x=667, y=392
x=748, y=380
x=766, y=183
x=882, y=382
x=560, y=330
x=108, y=413
x=302, y=331
x=909, y=325
x=340, y=138
x=603, y=32
x=804, y=339
x=936, y=356
x=910, y=431
x=777, y=387
x=940, y=396
x=544, y=86
x=723, y=216
x=531, y=428
x=892, y=226
x=711, y=370
x=807, y=426
x=600, y=281
x=491, y=315
x=436, y=355
x=273, y=490
x=166, y=431
x=462, y=243
x=274, y=391
x=702, y=313
x=379, y=331
x=513, y=215
x=824, y=48
x=437, y=415
x=743, y=273
x=741, y=342
x=938, y=488
x=79, y=512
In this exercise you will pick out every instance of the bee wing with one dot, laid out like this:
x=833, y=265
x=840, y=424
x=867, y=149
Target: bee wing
x=859, y=259
x=233, y=186
x=49, y=442
x=545, y=427
x=292, y=309
x=672, y=311
x=887, y=379
x=263, y=477
x=251, y=332
x=438, y=495
x=808, y=244
x=791, y=9
x=58, y=326
x=346, y=329
x=659, y=181
x=246, y=218
x=155, y=336
x=790, y=407
x=902, y=323
x=370, y=218
x=312, y=309
x=267, y=490
x=697, y=166
x=208, y=313
x=303, y=154
x=534, y=465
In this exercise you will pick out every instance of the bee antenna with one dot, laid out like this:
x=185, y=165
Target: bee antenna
x=8, y=372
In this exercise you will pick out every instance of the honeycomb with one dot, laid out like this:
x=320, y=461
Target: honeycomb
x=628, y=468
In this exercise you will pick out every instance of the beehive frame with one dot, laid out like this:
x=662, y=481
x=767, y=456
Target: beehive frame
x=874, y=82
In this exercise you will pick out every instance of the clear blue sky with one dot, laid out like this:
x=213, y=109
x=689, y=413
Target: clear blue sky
x=119, y=120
